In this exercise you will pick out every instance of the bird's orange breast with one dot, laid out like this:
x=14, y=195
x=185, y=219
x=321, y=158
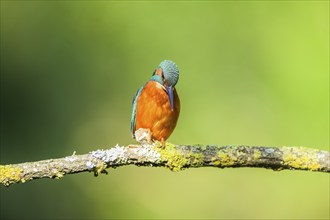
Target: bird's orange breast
x=154, y=111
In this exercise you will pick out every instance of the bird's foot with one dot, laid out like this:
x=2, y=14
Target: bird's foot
x=162, y=143
x=143, y=135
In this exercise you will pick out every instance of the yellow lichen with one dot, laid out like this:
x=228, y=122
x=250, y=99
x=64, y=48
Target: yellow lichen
x=9, y=174
x=198, y=159
x=300, y=158
x=100, y=168
x=226, y=158
x=56, y=174
x=215, y=161
x=175, y=161
x=256, y=154
x=59, y=175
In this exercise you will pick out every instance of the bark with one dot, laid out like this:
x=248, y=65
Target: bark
x=173, y=157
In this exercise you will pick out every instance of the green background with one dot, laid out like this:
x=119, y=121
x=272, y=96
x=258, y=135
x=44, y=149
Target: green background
x=251, y=72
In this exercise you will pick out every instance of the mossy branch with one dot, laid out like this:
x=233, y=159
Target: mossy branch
x=173, y=157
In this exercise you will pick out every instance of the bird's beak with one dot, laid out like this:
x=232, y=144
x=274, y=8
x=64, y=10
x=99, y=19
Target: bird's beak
x=170, y=95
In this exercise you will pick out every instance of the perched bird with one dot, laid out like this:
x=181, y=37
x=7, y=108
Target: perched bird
x=156, y=105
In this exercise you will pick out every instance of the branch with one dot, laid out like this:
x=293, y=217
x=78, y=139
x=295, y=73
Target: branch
x=173, y=157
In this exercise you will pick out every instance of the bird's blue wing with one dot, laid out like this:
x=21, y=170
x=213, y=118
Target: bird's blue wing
x=133, y=120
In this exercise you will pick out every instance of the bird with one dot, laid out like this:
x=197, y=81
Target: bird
x=156, y=105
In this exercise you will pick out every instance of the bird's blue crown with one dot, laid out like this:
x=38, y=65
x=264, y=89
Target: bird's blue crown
x=170, y=73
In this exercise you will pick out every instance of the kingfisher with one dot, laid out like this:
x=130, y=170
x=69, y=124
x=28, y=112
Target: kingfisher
x=156, y=105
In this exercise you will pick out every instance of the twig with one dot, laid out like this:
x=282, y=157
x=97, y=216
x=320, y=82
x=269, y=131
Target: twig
x=174, y=157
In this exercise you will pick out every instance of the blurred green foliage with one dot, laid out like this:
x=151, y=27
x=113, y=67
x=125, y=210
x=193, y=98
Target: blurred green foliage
x=254, y=73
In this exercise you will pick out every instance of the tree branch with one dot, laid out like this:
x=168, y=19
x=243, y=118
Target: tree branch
x=173, y=157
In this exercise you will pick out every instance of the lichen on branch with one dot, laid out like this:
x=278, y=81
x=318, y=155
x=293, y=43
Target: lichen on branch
x=173, y=157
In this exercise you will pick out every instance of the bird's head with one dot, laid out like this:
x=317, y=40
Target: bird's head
x=167, y=74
